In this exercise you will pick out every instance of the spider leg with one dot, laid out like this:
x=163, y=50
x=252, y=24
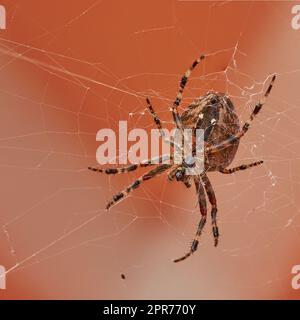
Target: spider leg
x=184, y=79
x=158, y=123
x=231, y=140
x=203, y=211
x=172, y=172
x=155, y=116
x=187, y=182
x=242, y=167
x=147, y=176
x=213, y=201
x=258, y=106
x=132, y=167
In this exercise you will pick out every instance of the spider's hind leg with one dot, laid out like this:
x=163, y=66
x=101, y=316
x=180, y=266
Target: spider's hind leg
x=258, y=106
x=183, y=81
x=246, y=126
x=154, y=115
x=158, y=123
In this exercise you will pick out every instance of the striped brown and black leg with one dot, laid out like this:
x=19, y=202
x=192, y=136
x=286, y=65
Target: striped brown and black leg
x=147, y=176
x=129, y=168
x=242, y=167
x=213, y=201
x=258, y=106
x=187, y=181
x=184, y=79
x=132, y=167
x=203, y=211
x=240, y=134
x=158, y=123
x=171, y=173
x=154, y=115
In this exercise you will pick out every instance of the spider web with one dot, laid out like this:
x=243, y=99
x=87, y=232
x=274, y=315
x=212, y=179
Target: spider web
x=64, y=79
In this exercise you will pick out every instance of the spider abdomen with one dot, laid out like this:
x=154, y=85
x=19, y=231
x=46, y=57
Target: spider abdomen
x=215, y=114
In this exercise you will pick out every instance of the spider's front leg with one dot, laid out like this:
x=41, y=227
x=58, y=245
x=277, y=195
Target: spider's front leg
x=213, y=201
x=147, y=176
x=133, y=167
x=203, y=211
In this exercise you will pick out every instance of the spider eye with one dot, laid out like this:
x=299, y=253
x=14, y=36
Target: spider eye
x=213, y=101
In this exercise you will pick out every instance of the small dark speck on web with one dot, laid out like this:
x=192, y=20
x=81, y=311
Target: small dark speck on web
x=123, y=276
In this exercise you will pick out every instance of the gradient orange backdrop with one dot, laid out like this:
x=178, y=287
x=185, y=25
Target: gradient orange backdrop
x=70, y=68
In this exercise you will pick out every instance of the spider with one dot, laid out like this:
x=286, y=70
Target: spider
x=213, y=112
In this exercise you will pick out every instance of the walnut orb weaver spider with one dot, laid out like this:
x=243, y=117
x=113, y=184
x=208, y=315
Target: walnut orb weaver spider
x=213, y=112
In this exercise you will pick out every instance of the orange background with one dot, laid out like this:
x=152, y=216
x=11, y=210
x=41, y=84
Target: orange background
x=70, y=68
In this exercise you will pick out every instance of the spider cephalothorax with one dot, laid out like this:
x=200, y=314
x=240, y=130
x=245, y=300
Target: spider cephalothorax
x=215, y=114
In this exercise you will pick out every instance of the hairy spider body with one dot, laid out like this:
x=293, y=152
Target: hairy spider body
x=213, y=112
